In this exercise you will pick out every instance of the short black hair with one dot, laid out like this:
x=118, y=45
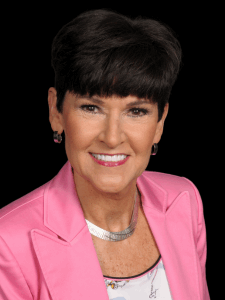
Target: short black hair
x=102, y=52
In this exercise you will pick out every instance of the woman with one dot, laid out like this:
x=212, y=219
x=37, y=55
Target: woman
x=103, y=227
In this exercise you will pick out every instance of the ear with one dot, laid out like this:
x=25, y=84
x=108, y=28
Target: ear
x=160, y=125
x=55, y=117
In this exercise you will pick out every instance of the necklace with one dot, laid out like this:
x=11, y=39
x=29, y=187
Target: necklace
x=120, y=235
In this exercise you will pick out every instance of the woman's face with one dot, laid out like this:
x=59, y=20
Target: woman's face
x=109, y=127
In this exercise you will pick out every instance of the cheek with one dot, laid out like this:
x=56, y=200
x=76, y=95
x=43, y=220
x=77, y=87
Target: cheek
x=144, y=137
x=77, y=132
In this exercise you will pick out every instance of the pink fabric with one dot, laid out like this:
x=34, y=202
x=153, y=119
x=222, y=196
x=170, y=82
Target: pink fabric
x=46, y=250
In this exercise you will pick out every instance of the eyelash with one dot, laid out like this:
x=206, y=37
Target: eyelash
x=145, y=111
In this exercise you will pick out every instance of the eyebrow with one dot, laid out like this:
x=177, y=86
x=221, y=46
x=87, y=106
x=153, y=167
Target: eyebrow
x=99, y=101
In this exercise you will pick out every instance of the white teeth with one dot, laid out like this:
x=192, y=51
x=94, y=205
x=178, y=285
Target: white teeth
x=109, y=158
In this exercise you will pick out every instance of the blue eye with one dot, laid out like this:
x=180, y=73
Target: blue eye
x=135, y=109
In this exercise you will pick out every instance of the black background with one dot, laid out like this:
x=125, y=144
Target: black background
x=189, y=145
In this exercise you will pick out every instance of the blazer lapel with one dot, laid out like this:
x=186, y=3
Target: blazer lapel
x=68, y=258
x=172, y=230
x=71, y=270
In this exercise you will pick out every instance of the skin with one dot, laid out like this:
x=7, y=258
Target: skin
x=106, y=194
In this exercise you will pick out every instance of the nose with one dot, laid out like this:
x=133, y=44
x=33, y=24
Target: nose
x=113, y=133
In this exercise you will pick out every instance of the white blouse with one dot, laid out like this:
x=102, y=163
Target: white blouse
x=151, y=284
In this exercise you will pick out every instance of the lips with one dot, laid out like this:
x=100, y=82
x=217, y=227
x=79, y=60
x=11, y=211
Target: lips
x=102, y=157
x=109, y=163
x=109, y=154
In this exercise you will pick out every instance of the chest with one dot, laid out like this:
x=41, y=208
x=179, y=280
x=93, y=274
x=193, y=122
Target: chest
x=130, y=257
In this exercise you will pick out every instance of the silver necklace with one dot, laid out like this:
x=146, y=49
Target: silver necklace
x=116, y=236
x=120, y=235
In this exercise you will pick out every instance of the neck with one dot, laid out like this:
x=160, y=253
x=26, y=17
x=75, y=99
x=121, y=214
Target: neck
x=109, y=211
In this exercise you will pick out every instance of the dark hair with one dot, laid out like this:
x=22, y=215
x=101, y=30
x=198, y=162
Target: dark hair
x=104, y=53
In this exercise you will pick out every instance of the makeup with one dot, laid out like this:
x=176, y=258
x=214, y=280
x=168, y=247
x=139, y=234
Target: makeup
x=110, y=163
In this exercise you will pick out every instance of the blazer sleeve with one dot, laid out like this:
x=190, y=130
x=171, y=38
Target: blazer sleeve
x=12, y=282
x=201, y=241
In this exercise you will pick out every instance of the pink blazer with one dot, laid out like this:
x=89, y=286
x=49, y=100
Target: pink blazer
x=46, y=249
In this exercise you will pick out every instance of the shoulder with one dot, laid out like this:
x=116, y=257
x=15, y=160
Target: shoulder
x=170, y=183
x=25, y=210
x=174, y=186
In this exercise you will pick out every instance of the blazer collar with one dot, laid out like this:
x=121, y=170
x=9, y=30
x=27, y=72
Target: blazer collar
x=62, y=209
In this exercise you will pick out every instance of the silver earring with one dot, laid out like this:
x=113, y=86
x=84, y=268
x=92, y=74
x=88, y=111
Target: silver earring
x=57, y=137
x=155, y=149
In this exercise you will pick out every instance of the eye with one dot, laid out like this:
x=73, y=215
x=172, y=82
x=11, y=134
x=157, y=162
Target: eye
x=87, y=106
x=136, y=111
x=143, y=110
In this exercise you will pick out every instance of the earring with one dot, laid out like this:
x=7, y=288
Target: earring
x=155, y=149
x=57, y=137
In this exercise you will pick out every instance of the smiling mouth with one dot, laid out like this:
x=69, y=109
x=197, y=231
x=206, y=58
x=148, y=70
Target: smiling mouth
x=109, y=154
x=107, y=158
